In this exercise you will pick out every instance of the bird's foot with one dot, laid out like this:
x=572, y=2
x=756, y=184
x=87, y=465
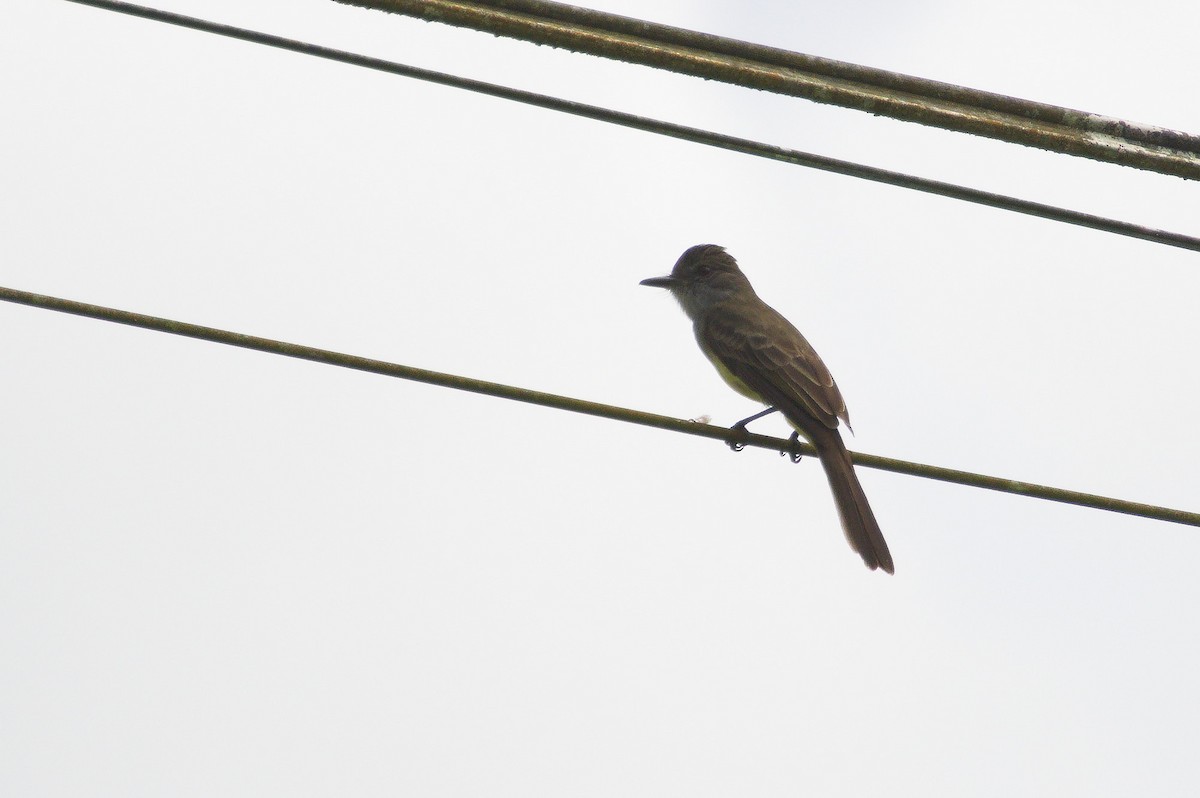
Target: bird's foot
x=740, y=430
x=791, y=451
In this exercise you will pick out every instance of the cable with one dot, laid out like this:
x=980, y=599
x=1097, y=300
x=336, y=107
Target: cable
x=582, y=406
x=682, y=132
x=918, y=87
x=821, y=80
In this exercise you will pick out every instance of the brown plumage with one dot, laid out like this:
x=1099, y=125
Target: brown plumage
x=762, y=356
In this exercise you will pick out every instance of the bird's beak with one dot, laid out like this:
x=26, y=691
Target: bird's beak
x=660, y=282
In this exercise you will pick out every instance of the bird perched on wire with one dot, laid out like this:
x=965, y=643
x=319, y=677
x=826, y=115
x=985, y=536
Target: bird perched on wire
x=762, y=356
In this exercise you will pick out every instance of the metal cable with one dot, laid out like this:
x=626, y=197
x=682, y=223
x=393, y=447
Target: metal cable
x=589, y=408
x=683, y=132
x=822, y=80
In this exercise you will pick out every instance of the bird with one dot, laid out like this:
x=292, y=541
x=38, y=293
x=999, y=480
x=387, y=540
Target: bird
x=762, y=356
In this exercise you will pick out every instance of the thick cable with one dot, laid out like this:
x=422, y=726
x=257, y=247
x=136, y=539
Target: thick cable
x=821, y=80
x=682, y=132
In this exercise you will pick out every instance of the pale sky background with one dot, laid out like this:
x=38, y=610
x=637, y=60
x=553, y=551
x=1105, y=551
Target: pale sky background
x=230, y=573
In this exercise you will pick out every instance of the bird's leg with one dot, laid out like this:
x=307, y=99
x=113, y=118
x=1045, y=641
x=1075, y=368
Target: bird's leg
x=741, y=427
x=791, y=449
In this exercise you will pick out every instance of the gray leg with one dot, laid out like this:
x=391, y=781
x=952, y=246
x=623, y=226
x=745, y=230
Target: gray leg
x=741, y=427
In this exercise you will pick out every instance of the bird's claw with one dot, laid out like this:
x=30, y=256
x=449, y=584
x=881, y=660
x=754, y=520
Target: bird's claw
x=737, y=446
x=790, y=451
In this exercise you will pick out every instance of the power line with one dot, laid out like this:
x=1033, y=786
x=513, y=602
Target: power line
x=682, y=132
x=822, y=80
x=583, y=406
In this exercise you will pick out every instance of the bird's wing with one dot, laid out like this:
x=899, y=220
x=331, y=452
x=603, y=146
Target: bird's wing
x=764, y=350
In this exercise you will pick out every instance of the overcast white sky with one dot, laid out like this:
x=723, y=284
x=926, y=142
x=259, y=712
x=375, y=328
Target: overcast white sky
x=228, y=573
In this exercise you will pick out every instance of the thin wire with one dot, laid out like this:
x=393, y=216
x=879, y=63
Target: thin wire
x=683, y=132
x=877, y=92
x=589, y=408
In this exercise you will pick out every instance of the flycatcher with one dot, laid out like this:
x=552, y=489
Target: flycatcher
x=762, y=356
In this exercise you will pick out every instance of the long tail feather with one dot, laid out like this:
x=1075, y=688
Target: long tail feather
x=858, y=521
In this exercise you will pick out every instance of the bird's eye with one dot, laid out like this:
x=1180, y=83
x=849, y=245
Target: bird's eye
x=703, y=270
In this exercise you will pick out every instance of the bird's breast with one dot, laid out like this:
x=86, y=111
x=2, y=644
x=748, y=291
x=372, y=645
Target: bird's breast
x=730, y=378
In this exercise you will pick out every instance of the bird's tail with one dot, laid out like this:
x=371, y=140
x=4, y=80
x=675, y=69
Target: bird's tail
x=858, y=522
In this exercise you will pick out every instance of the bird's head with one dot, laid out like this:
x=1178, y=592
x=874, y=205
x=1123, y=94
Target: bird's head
x=703, y=276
